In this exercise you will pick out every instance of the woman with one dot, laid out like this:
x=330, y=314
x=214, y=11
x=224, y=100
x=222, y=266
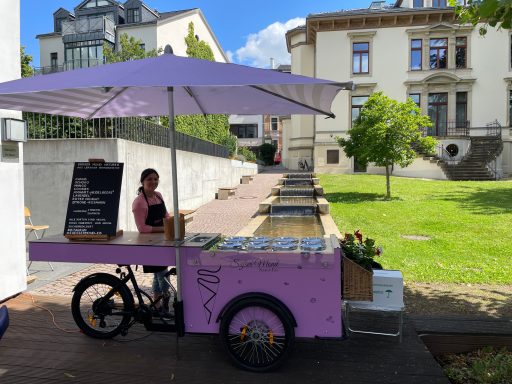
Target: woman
x=149, y=212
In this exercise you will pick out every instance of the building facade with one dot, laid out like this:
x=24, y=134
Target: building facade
x=254, y=130
x=12, y=237
x=416, y=49
x=78, y=36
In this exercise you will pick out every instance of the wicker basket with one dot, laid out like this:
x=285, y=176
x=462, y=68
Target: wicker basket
x=357, y=282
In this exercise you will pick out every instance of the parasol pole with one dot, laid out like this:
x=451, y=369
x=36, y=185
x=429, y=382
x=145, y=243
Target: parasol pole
x=177, y=235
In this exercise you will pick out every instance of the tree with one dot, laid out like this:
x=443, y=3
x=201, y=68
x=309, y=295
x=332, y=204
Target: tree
x=213, y=128
x=130, y=49
x=26, y=61
x=387, y=133
x=494, y=13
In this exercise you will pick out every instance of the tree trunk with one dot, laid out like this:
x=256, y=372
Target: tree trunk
x=388, y=186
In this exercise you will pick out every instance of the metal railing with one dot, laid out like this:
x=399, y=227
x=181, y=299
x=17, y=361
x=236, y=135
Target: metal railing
x=68, y=65
x=145, y=131
x=452, y=129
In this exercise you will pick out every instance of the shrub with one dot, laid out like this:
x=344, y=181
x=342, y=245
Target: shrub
x=247, y=153
x=266, y=153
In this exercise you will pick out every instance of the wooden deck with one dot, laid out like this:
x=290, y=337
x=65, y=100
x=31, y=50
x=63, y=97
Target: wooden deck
x=34, y=350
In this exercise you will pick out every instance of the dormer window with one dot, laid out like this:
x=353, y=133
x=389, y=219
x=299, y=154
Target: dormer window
x=417, y=4
x=58, y=24
x=133, y=15
x=96, y=3
x=438, y=3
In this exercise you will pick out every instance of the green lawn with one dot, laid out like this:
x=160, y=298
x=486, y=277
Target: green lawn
x=469, y=223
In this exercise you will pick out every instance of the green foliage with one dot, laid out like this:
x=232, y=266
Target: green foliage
x=230, y=141
x=493, y=13
x=247, y=153
x=467, y=222
x=484, y=366
x=196, y=48
x=363, y=252
x=26, y=61
x=386, y=132
x=131, y=49
x=214, y=128
x=266, y=153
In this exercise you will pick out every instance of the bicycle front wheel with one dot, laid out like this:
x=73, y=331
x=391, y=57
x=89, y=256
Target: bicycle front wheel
x=102, y=306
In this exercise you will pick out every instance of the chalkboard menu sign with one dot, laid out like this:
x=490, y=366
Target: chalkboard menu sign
x=94, y=200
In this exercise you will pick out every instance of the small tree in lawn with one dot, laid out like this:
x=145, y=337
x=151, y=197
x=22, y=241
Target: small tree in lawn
x=387, y=133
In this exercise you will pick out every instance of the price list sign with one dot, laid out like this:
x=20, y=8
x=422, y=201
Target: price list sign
x=93, y=204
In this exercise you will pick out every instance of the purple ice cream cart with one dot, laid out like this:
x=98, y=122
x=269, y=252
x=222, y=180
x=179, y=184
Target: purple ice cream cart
x=257, y=293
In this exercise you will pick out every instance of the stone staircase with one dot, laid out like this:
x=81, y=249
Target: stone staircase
x=482, y=151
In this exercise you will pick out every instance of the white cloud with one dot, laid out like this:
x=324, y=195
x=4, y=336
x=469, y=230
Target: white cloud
x=229, y=54
x=267, y=43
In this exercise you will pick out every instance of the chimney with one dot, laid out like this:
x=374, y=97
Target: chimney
x=272, y=62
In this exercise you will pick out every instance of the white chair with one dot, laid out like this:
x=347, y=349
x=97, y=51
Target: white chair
x=37, y=230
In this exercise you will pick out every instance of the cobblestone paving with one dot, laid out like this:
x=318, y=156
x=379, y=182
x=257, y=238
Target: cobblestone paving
x=223, y=216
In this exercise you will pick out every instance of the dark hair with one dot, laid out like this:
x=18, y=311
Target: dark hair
x=145, y=173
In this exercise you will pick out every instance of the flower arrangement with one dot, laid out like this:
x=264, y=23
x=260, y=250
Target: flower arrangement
x=363, y=252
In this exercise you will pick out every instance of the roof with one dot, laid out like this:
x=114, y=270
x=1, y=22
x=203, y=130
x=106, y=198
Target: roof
x=368, y=11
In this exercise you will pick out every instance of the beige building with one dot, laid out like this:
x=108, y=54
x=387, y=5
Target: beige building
x=78, y=36
x=417, y=49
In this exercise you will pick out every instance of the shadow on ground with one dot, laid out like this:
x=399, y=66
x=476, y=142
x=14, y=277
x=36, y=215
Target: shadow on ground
x=458, y=299
x=482, y=201
x=356, y=197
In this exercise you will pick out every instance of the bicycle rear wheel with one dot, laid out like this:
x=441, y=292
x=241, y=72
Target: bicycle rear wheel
x=102, y=306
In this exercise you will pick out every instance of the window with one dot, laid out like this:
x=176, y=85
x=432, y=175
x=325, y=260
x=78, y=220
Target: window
x=438, y=113
x=133, y=15
x=274, y=123
x=438, y=53
x=416, y=54
x=461, y=111
x=83, y=54
x=58, y=24
x=461, y=47
x=357, y=104
x=417, y=4
x=333, y=156
x=438, y=3
x=416, y=97
x=274, y=143
x=510, y=108
x=54, y=60
x=142, y=46
x=96, y=3
x=360, y=53
x=244, y=131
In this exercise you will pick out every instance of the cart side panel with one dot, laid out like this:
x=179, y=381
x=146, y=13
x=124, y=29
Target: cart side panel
x=308, y=284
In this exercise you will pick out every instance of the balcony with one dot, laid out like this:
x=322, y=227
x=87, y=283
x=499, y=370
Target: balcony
x=68, y=66
x=449, y=129
x=100, y=26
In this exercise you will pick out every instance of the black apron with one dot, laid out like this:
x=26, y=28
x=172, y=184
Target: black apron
x=156, y=214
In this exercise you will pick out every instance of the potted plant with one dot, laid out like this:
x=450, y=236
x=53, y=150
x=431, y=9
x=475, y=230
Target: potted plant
x=362, y=252
x=358, y=262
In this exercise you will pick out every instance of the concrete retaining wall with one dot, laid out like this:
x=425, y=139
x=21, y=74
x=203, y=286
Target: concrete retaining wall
x=49, y=168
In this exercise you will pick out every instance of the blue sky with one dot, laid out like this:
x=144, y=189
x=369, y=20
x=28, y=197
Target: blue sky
x=249, y=31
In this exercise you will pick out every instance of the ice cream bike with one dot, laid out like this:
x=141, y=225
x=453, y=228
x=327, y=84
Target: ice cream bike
x=258, y=293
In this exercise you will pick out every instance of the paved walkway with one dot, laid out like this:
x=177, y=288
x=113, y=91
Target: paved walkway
x=218, y=216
